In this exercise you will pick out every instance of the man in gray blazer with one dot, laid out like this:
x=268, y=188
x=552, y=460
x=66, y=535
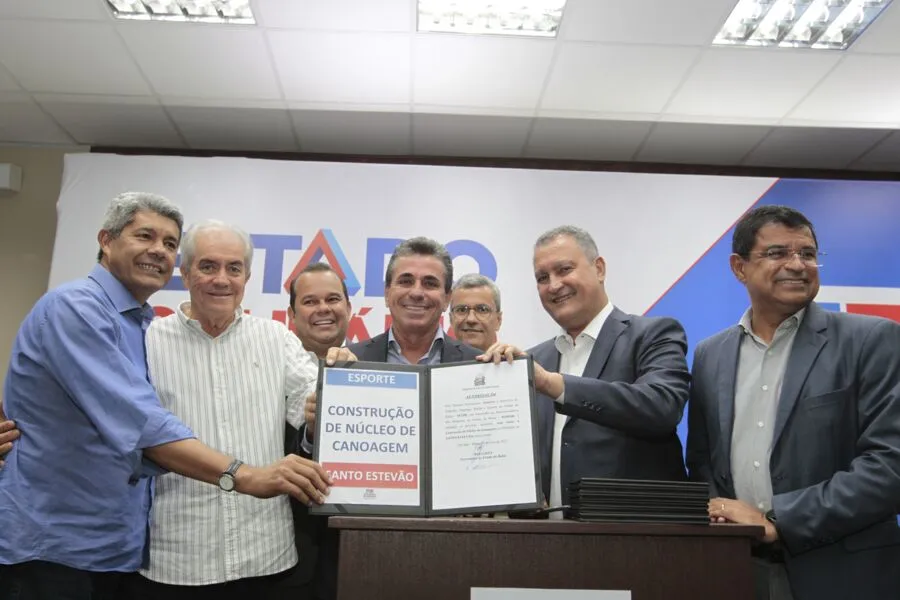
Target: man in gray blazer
x=612, y=386
x=794, y=420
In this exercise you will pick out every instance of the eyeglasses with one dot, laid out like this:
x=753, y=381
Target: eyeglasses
x=482, y=311
x=780, y=254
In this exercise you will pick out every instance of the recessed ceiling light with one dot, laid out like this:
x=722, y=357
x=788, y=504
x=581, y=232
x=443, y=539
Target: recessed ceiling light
x=819, y=24
x=501, y=17
x=203, y=11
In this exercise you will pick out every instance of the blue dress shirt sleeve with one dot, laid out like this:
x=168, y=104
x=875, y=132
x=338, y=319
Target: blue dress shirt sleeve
x=82, y=348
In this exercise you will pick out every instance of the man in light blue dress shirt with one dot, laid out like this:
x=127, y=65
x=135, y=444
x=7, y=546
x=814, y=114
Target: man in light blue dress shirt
x=75, y=490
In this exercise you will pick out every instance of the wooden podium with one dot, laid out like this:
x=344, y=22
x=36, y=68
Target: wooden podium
x=386, y=558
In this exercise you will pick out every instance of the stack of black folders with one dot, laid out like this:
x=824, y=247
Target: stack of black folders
x=639, y=501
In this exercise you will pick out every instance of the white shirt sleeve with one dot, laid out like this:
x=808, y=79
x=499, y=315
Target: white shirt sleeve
x=300, y=376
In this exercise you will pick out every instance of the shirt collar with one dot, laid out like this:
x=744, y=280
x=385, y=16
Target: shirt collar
x=195, y=324
x=792, y=321
x=438, y=335
x=592, y=330
x=123, y=300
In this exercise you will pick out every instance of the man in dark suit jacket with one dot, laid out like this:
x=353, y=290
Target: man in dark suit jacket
x=794, y=420
x=416, y=291
x=612, y=387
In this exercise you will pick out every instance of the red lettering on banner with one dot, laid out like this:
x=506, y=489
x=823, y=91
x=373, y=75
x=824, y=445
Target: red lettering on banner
x=373, y=476
x=888, y=311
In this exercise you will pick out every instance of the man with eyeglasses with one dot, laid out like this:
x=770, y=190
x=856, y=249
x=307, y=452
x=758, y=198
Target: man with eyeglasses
x=475, y=310
x=794, y=421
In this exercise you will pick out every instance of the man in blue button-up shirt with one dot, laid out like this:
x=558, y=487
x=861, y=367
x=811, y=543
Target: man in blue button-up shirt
x=74, y=492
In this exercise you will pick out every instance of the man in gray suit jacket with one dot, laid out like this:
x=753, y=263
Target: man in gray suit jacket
x=794, y=420
x=612, y=387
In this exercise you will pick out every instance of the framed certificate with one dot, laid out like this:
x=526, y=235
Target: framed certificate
x=418, y=440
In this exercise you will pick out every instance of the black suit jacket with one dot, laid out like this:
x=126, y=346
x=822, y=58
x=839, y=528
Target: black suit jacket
x=376, y=350
x=835, y=459
x=625, y=407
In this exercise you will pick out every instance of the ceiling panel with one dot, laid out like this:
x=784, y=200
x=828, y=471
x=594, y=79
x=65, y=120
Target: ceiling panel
x=586, y=139
x=469, y=135
x=882, y=36
x=883, y=157
x=750, y=82
x=23, y=122
x=112, y=121
x=802, y=147
x=7, y=83
x=55, y=9
x=345, y=132
x=480, y=71
x=700, y=143
x=687, y=22
x=343, y=67
x=630, y=79
x=862, y=89
x=178, y=61
x=220, y=128
x=338, y=15
x=69, y=57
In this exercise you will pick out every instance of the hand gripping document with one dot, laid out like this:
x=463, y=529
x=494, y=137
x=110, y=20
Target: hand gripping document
x=421, y=440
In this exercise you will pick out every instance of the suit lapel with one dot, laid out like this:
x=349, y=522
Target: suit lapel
x=377, y=349
x=451, y=352
x=615, y=325
x=807, y=345
x=726, y=375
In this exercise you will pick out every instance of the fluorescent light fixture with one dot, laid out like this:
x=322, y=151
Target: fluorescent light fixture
x=819, y=24
x=203, y=11
x=502, y=17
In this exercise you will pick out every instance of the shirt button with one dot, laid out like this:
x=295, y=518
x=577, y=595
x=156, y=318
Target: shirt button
x=765, y=388
x=756, y=463
x=761, y=506
x=760, y=424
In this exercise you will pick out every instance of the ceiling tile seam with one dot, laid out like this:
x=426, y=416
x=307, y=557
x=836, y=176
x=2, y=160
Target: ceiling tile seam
x=62, y=128
x=753, y=148
x=643, y=143
x=257, y=14
x=684, y=78
x=275, y=71
x=14, y=79
x=872, y=148
x=720, y=22
x=412, y=81
x=563, y=21
x=156, y=95
x=557, y=50
x=812, y=89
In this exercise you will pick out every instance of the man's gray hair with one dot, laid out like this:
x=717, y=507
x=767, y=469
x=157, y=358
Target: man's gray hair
x=421, y=246
x=189, y=243
x=477, y=280
x=581, y=237
x=122, y=209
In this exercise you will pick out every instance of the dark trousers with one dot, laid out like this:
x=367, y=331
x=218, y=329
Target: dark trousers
x=770, y=581
x=269, y=587
x=40, y=580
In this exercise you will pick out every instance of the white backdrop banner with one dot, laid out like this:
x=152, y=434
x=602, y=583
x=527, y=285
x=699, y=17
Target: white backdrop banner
x=650, y=228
